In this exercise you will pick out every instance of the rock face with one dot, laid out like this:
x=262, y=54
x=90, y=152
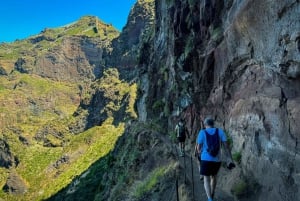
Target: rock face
x=77, y=58
x=15, y=185
x=2, y=71
x=238, y=61
x=126, y=47
x=7, y=159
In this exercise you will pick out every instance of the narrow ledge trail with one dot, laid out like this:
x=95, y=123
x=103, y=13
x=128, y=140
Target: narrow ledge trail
x=190, y=177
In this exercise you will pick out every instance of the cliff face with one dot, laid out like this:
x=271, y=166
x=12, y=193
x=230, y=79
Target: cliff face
x=76, y=59
x=126, y=47
x=237, y=61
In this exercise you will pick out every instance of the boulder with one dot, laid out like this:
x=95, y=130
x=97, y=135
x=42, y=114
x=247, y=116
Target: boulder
x=15, y=184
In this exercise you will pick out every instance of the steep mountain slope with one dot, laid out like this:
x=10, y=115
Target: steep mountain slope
x=44, y=137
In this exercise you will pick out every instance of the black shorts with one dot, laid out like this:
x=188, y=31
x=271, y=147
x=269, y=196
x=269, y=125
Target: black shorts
x=209, y=168
x=181, y=139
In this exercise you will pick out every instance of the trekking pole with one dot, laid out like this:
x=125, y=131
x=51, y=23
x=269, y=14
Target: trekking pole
x=184, y=170
x=177, y=194
x=192, y=178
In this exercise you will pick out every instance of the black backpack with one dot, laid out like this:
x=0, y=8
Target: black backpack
x=213, y=143
x=181, y=130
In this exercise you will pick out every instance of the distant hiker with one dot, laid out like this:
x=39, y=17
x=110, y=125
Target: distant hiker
x=208, y=142
x=181, y=133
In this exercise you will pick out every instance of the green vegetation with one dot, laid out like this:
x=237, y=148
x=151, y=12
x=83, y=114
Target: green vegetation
x=132, y=99
x=91, y=27
x=237, y=156
x=37, y=162
x=240, y=188
x=150, y=182
x=29, y=101
x=216, y=34
x=229, y=139
x=189, y=46
x=158, y=105
x=42, y=103
x=117, y=93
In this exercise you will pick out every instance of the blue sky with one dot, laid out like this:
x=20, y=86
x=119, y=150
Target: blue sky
x=20, y=19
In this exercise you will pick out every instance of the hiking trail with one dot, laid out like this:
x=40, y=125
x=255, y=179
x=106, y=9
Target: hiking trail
x=190, y=177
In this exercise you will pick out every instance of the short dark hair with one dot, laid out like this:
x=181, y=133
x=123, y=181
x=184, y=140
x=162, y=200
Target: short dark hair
x=209, y=121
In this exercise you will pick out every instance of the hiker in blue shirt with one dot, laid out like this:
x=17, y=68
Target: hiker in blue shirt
x=208, y=142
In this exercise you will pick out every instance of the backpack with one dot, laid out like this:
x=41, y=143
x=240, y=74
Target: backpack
x=213, y=143
x=181, y=130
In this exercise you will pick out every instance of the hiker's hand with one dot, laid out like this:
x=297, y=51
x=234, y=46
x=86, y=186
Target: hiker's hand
x=230, y=166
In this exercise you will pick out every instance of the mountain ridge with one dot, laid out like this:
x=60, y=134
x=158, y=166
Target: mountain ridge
x=29, y=55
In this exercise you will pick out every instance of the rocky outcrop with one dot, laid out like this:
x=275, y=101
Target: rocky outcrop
x=2, y=71
x=15, y=184
x=239, y=62
x=126, y=47
x=77, y=58
x=22, y=66
x=7, y=159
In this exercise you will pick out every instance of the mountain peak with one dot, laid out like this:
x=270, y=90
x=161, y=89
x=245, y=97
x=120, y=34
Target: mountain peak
x=90, y=26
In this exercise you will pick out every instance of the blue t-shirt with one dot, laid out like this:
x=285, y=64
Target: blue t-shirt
x=201, y=139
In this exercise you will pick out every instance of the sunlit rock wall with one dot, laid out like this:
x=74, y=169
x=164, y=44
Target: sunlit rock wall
x=238, y=61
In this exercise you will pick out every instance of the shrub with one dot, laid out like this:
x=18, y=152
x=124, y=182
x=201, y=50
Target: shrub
x=237, y=156
x=240, y=188
x=150, y=182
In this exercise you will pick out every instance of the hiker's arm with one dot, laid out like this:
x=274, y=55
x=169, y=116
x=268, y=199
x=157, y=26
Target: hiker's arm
x=198, y=149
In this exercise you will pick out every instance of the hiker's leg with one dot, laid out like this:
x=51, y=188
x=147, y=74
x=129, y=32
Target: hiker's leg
x=180, y=148
x=213, y=184
x=207, y=186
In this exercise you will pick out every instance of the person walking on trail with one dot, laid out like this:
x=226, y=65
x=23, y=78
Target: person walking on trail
x=208, y=142
x=181, y=133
